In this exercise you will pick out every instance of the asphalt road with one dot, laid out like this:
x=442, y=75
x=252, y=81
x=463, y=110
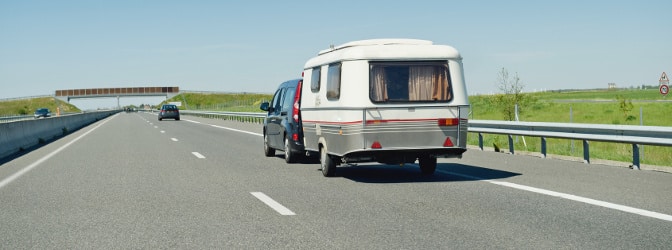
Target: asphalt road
x=132, y=182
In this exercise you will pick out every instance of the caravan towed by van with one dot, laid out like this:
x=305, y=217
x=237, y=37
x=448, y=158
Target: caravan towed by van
x=392, y=101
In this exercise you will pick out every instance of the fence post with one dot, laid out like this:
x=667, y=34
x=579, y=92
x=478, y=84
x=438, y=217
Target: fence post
x=586, y=152
x=543, y=147
x=511, y=144
x=635, y=156
x=480, y=141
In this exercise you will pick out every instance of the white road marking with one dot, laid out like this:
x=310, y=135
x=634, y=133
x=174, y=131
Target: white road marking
x=163, y=132
x=46, y=157
x=237, y=130
x=200, y=156
x=156, y=126
x=193, y=121
x=174, y=139
x=572, y=197
x=272, y=203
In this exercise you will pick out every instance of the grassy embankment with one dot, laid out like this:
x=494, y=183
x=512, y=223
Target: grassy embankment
x=28, y=106
x=596, y=107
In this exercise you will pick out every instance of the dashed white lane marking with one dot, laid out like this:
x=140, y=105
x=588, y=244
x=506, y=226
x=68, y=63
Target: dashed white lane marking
x=46, y=157
x=237, y=130
x=572, y=197
x=198, y=155
x=272, y=203
x=156, y=126
x=173, y=139
x=163, y=132
x=193, y=121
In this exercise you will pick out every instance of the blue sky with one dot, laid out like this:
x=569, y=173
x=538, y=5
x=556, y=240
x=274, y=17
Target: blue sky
x=252, y=46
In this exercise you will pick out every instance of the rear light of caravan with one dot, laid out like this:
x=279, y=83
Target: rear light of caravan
x=297, y=98
x=449, y=121
x=376, y=145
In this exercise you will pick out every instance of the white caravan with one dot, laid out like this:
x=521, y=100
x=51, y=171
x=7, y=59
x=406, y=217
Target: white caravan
x=392, y=101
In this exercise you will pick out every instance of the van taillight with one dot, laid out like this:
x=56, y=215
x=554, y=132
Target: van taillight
x=449, y=121
x=295, y=137
x=297, y=98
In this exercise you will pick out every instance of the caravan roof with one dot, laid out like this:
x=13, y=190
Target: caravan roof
x=384, y=49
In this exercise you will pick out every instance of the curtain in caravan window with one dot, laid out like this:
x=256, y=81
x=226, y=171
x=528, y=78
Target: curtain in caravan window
x=440, y=85
x=420, y=79
x=378, y=88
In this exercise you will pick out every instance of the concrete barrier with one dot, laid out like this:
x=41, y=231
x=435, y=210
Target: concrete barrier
x=21, y=135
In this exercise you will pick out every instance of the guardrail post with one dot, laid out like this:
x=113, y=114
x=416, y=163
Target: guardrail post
x=586, y=152
x=543, y=147
x=511, y=144
x=480, y=141
x=635, y=156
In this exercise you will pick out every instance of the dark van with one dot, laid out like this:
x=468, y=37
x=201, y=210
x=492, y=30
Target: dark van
x=282, y=126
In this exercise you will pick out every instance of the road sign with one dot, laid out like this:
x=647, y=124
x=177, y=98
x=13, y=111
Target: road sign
x=663, y=79
x=664, y=89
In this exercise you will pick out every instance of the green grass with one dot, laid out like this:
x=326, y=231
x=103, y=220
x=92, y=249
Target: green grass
x=555, y=107
x=28, y=106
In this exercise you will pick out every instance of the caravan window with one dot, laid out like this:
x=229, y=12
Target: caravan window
x=409, y=82
x=315, y=80
x=334, y=81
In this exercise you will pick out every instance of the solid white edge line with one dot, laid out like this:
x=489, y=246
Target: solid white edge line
x=192, y=121
x=46, y=157
x=237, y=130
x=572, y=197
x=198, y=155
x=272, y=203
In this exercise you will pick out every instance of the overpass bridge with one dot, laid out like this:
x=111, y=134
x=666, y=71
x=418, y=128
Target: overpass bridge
x=68, y=94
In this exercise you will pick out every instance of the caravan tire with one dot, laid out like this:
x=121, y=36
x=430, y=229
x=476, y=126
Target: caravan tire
x=268, y=151
x=427, y=164
x=328, y=165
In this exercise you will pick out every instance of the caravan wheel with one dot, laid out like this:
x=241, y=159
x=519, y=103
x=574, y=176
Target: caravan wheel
x=427, y=164
x=328, y=165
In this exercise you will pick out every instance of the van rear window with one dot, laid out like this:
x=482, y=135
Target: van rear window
x=409, y=82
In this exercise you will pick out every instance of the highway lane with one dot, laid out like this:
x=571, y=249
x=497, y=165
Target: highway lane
x=135, y=182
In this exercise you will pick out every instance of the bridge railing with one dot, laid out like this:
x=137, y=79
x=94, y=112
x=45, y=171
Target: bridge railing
x=634, y=135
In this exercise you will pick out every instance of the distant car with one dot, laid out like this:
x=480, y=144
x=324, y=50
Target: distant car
x=169, y=111
x=42, y=113
x=282, y=125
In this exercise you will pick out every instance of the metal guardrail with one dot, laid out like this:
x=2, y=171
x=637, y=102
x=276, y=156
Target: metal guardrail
x=253, y=117
x=635, y=135
x=14, y=118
